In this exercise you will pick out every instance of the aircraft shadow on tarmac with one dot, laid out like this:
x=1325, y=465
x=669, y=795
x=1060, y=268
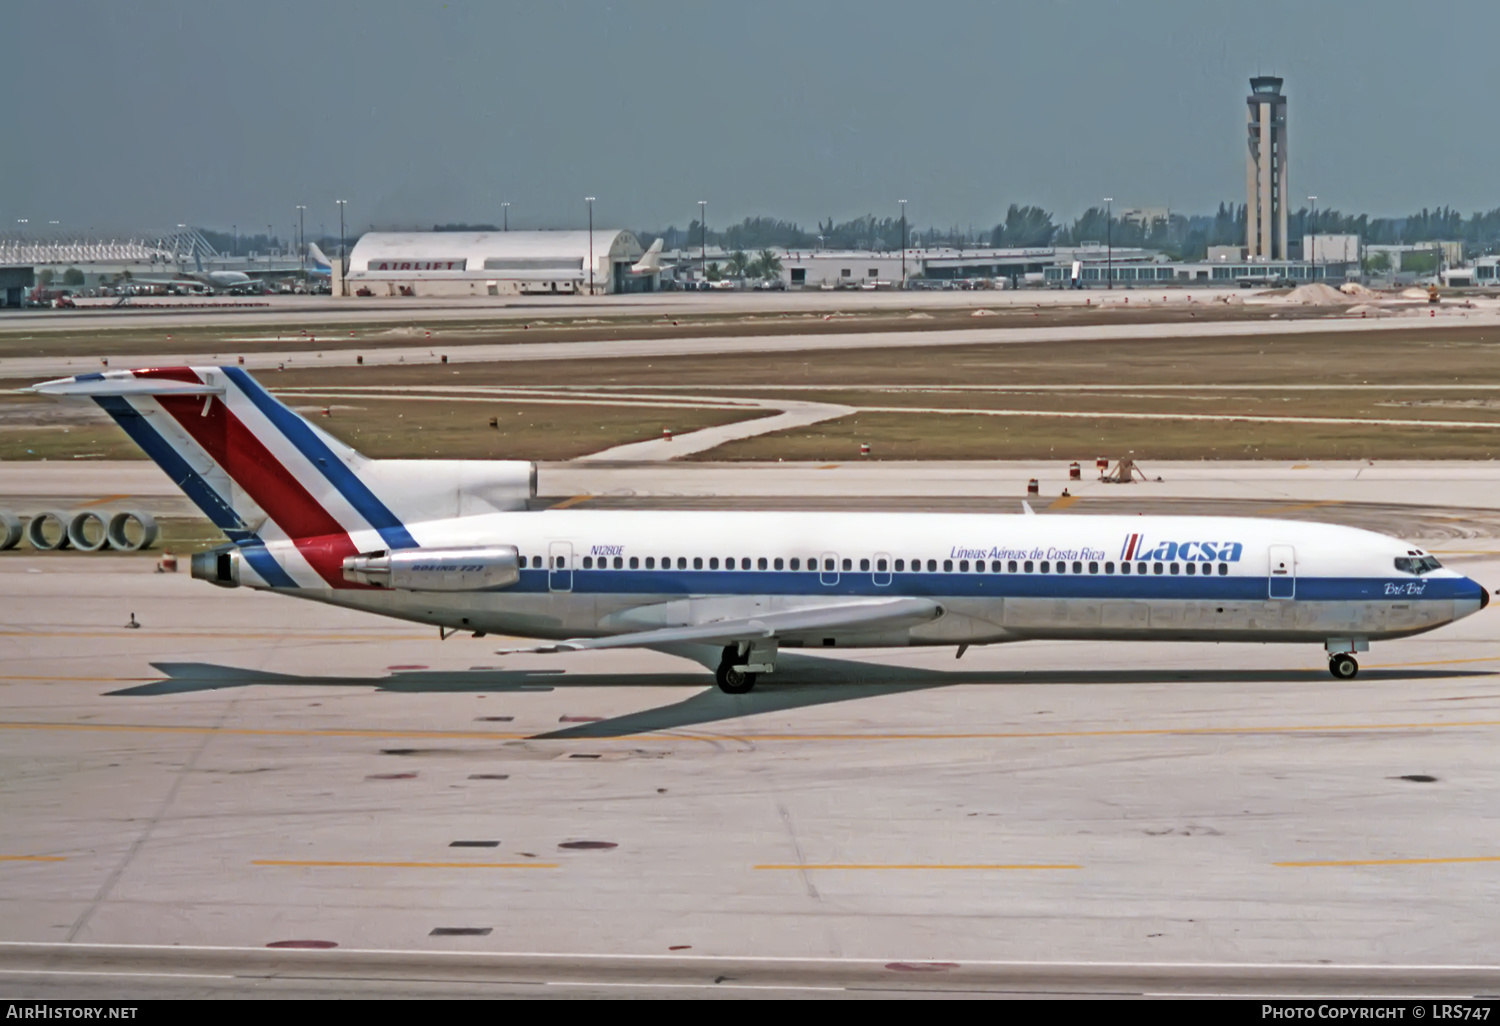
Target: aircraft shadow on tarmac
x=801, y=681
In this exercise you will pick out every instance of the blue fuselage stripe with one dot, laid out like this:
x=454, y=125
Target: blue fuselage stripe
x=263, y=563
x=1239, y=588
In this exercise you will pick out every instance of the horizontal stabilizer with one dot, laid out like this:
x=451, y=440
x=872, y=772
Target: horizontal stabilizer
x=123, y=383
x=854, y=616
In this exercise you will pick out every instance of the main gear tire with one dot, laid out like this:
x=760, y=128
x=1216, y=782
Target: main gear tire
x=732, y=681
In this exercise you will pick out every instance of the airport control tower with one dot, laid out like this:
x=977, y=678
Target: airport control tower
x=1265, y=170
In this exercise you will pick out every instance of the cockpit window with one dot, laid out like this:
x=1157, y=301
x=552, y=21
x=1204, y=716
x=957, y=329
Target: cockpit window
x=1418, y=565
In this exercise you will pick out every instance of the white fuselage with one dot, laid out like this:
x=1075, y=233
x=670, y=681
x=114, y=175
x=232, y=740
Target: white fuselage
x=998, y=577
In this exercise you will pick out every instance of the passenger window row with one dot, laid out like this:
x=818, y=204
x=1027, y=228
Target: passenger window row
x=962, y=566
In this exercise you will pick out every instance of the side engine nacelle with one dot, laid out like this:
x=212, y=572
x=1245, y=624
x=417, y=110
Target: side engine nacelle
x=474, y=569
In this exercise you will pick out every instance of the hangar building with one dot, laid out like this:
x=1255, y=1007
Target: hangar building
x=495, y=264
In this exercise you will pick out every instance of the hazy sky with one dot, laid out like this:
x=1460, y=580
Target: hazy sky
x=140, y=115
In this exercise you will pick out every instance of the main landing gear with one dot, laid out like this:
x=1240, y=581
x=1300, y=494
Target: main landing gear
x=1343, y=666
x=733, y=680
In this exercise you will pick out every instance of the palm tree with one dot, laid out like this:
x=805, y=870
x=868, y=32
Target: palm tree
x=714, y=273
x=739, y=263
x=768, y=264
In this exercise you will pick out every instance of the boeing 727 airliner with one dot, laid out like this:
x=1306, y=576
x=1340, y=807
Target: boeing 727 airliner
x=452, y=543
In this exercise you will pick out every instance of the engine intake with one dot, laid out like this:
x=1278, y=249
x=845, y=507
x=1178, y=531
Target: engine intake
x=476, y=569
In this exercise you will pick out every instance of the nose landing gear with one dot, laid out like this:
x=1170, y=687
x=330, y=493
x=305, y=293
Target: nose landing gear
x=1343, y=666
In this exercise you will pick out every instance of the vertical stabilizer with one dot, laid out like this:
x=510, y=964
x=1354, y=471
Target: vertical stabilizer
x=262, y=473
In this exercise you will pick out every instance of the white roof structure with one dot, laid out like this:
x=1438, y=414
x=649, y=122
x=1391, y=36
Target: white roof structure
x=511, y=256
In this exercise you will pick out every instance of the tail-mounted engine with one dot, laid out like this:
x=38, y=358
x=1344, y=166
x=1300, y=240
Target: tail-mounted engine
x=475, y=569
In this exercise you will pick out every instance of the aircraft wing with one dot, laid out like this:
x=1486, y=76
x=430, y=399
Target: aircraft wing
x=181, y=283
x=860, y=616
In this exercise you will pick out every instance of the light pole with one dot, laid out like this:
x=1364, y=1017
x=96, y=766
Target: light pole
x=903, y=242
x=302, y=239
x=1109, y=241
x=590, y=201
x=343, y=268
x=703, y=235
x=1312, y=258
x=268, y=247
x=505, y=212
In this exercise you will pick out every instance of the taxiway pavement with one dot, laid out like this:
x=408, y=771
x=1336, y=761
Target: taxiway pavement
x=1462, y=484
x=245, y=770
x=436, y=350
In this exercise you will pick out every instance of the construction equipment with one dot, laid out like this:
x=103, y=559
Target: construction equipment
x=1432, y=293
x=1125, y=472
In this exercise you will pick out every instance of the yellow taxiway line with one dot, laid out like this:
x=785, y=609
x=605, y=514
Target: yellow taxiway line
x=574, y=501
x=921, y=865
x=33, y=858
x=216, y=635
x=1387, y=862
x=1303, y=505
x=997, y=735
x=329, y=864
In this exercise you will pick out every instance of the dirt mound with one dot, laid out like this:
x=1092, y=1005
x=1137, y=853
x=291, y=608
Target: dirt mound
x=1354, y=288
x=1413, y=293
x=982, y=313
x=1315, y=294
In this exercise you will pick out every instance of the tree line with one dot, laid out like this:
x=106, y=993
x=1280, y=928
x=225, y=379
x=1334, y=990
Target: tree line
x=1181, y=236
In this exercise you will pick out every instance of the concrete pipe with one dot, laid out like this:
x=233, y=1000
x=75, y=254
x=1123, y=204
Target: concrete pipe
x=86, y=532
x=10, y=530
x=36, y=531
x=119, y=532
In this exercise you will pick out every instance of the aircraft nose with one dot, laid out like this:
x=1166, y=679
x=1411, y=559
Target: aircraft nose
x=1484, y=596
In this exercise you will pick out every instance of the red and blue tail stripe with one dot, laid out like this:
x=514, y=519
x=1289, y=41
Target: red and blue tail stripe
x=287, y=493
x=307, y=441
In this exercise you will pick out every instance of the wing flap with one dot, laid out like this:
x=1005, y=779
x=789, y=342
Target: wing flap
x=876, y=615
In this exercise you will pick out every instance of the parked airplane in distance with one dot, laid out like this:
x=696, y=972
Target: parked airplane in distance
x=318, y=265
x=452, y=543
x=650, y=261
x=219, y=281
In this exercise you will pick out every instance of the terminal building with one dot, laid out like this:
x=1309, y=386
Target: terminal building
x=496, y=264
x=835, y=269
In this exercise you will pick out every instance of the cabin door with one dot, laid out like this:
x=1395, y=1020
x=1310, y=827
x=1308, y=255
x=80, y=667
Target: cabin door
x=828, y=569
x=1283, y=572
x=560, y=566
